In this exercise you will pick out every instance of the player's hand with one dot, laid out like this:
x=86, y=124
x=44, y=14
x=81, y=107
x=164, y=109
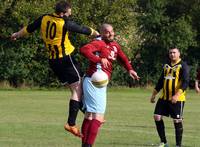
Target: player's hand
x=197, y=90
x=133, y=74
x=105, y=63
x=14, y=36
x=95, y=37
x=152, y=99
x=174, y=99
x=153, y=96
x=94, y=34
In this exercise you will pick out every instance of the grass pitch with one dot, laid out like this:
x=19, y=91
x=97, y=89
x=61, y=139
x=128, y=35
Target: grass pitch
x=31, y=118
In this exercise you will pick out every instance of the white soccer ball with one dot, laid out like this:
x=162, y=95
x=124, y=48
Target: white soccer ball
x=99, y=79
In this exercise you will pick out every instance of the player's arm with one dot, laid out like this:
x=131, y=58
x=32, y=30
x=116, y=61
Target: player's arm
x=89, y=50
x=19, y=34
x=184, y=76
x=153, y=96
x=197, y=86
x=158, y=87
x=133, y=74
x=27, y=29
x=73, y=27
x=160, y=83
x=122, y=58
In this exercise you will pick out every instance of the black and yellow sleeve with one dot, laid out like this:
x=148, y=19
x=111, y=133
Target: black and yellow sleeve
x=184, y=76
x=74, y=27
x=34, y=25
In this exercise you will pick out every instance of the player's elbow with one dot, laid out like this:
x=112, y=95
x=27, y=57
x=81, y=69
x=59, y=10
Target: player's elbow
x=83, y=51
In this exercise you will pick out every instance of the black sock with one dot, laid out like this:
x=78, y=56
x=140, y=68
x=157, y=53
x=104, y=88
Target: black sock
x=179, y=132
x=86, y=145
x=81, y=107
x=73, y=111
x=161, y=130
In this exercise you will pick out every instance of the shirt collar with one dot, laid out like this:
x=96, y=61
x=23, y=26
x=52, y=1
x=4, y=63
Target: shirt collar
x=176, y=62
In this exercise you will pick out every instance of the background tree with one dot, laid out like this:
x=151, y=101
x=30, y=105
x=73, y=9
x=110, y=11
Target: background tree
x=164, y=24
x=25, y=62
x=146, y=29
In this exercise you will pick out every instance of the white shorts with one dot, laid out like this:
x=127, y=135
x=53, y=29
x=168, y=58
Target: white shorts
x=94, y=99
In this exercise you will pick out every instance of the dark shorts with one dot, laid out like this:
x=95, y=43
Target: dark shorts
x=166, y=108
x=67, y=69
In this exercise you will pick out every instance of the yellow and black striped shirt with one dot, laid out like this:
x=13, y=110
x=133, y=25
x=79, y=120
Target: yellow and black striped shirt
x=173, y=78
x=55, y=33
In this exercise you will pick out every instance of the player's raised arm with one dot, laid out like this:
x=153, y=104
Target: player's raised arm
x=19, y=34
x=27, y=29
x=74, y=27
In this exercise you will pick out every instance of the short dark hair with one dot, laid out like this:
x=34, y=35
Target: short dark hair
x=61, y=6
x=171, y=48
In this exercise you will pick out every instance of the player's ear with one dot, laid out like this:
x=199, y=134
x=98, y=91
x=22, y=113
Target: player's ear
x=61, y=14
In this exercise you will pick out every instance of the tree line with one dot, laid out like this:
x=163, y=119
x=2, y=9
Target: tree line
x=146, y=29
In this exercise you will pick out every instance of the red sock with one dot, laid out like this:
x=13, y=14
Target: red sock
x=93, y=130
x=85, y=129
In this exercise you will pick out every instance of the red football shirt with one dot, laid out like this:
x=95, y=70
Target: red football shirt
x=112, y=51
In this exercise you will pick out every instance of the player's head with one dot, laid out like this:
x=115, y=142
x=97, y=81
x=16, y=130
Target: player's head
x=63, y=8
x=174, y=54
x=107, y=32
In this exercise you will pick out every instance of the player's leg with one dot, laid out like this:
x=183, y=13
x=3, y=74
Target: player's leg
x=86, y=145
x=74, y=103
x=94, y=127
x=177, y=115
x=178, y=125
x=160, y=127
x=95, y=103
x=159, y=112
x=90, y=128
x=85, y=127
x=88, y=103
x=74, y=106
x=69, y=74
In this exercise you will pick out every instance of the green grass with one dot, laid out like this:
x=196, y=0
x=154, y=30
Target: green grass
x=34, y=118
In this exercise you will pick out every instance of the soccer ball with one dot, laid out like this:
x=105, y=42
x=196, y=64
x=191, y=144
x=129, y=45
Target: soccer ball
x=99, y=79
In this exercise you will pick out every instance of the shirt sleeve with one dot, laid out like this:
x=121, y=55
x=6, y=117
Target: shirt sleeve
x=34, y=25
x=122, y=58
x=160, y=83
x=73, y=27
x=185, y=76
x=89, y=50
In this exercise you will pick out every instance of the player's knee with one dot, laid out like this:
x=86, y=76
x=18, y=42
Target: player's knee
x=76, y=95
x=99, y=117
x=178, y=120
x=157, y=117
x=88, y=115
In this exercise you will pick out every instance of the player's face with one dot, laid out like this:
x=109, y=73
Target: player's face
x=68, y=12
x=174, y=54
x=108, y=34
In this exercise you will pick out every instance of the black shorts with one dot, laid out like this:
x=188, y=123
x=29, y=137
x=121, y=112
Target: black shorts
x=166, y=108
x=67, y=69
